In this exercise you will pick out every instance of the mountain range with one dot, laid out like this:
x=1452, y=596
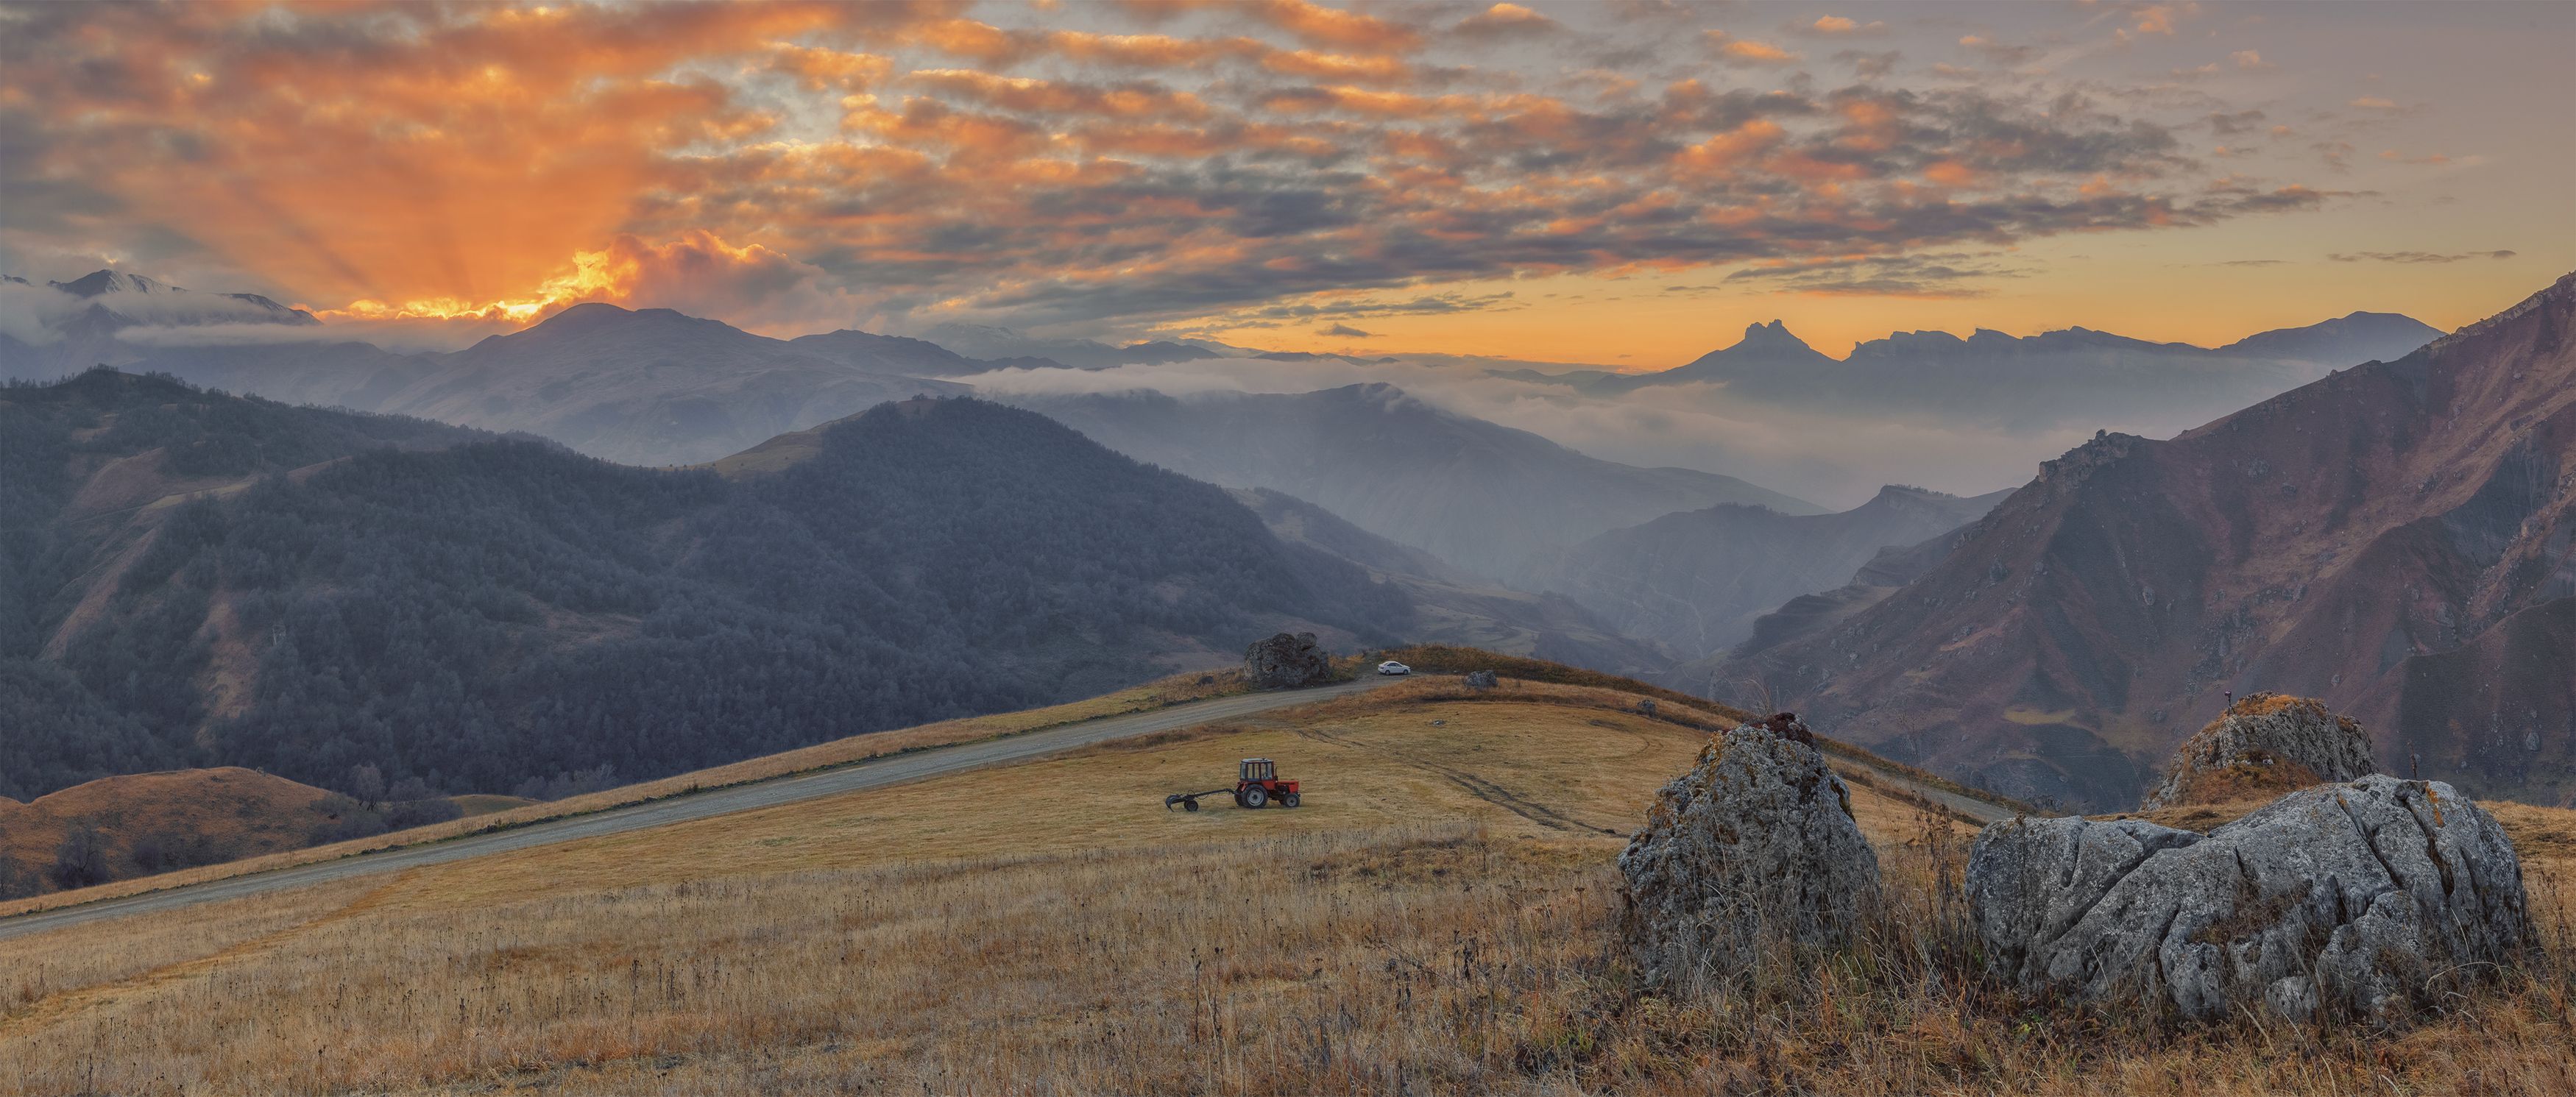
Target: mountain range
x=63, y=327
x=1453, y=607
x=2398, y=539
x=194, y=579
x=2075, y=375
x=1693, y=581
x=641, y=386
x=1481, y=496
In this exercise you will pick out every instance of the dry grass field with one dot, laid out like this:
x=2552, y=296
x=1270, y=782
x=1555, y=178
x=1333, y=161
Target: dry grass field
x=491, y=811
x=1437, y=918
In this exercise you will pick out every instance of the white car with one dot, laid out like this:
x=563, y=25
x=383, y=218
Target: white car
x=1392, y=667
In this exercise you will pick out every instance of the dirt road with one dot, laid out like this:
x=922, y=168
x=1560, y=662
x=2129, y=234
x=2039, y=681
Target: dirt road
x=875, y=773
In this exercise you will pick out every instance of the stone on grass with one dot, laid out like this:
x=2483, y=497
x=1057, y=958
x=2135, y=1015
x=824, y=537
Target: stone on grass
x=1754, y=850
x=2359, y=897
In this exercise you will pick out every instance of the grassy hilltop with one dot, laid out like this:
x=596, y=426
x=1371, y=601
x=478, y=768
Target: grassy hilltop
x=1439, y=917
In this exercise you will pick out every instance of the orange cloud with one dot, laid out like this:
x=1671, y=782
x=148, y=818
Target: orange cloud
x=1745, y=49
x=1326, y=26
x=1727, y=152
x=1056, y=97
x=1334, y=66
x=816, y=69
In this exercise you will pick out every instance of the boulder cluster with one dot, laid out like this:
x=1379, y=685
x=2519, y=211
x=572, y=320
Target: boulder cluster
x=1754, y=849
x=2355, y=896
x=1286, y=660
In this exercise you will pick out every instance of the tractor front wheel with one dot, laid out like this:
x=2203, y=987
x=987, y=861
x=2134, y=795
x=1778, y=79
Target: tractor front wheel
x=1256, y=797
x=1287, y=799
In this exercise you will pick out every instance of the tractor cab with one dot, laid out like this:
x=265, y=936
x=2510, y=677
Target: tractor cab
x=1257, y=784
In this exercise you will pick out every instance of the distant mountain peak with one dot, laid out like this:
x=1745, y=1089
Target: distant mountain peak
x=112, y=281
x=1771, y=336
x=2346, y=340
x=1765, y=346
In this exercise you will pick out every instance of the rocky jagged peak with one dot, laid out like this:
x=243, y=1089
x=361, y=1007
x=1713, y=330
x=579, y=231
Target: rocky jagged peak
x=1770, y=337
x=2078, y=464
x=2560, y=297
x=1909, y=344
x=2266, y=742
x=1765, y=346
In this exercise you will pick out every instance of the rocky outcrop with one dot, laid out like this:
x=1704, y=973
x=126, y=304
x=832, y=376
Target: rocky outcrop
x=1753, y=849
x=2353, y=897
x=1285, y=661
x=2268, y=742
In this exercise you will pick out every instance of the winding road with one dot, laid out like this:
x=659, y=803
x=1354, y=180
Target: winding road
x=873, y=773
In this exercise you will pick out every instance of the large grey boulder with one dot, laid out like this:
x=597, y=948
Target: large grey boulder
x=2267, y=742
x=1284, y=661
x=1754, y=849
x=2351, y=896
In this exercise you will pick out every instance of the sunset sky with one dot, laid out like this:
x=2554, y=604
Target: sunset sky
x=1626, y=184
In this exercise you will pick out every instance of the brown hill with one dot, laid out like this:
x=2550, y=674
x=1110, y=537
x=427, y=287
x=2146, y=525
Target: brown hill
x=152, y=822
x=2394, y=539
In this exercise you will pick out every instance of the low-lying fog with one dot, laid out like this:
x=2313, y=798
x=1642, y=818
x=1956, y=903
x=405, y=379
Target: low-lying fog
x=1834, y=456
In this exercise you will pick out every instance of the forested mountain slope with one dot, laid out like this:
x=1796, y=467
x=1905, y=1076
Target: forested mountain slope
x=2398, y=539
x=476, y=615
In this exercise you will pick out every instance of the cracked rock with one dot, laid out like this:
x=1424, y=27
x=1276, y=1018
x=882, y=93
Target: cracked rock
x=2355, y=897
x=1753, y=849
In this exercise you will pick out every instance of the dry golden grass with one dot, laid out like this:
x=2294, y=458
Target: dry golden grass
x=1438, y=918
x=229, y=812
x=1160, y=693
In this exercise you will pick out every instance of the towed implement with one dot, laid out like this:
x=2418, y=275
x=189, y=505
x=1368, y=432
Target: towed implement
x=1256, y=784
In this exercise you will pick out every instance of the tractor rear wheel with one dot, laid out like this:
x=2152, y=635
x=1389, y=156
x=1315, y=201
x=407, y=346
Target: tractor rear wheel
x=1287, y=799
x=1256, y=797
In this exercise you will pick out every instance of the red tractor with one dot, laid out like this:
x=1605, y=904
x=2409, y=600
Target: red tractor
x=1256, y=784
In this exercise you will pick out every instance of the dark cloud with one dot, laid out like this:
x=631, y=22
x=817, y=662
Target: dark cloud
x=1867, y=65
x=2417, y=256
x=1345, y=331
x=2231, y=124
x=1952, y=274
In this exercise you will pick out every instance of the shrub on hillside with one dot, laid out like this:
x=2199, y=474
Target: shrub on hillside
x=81, y=860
